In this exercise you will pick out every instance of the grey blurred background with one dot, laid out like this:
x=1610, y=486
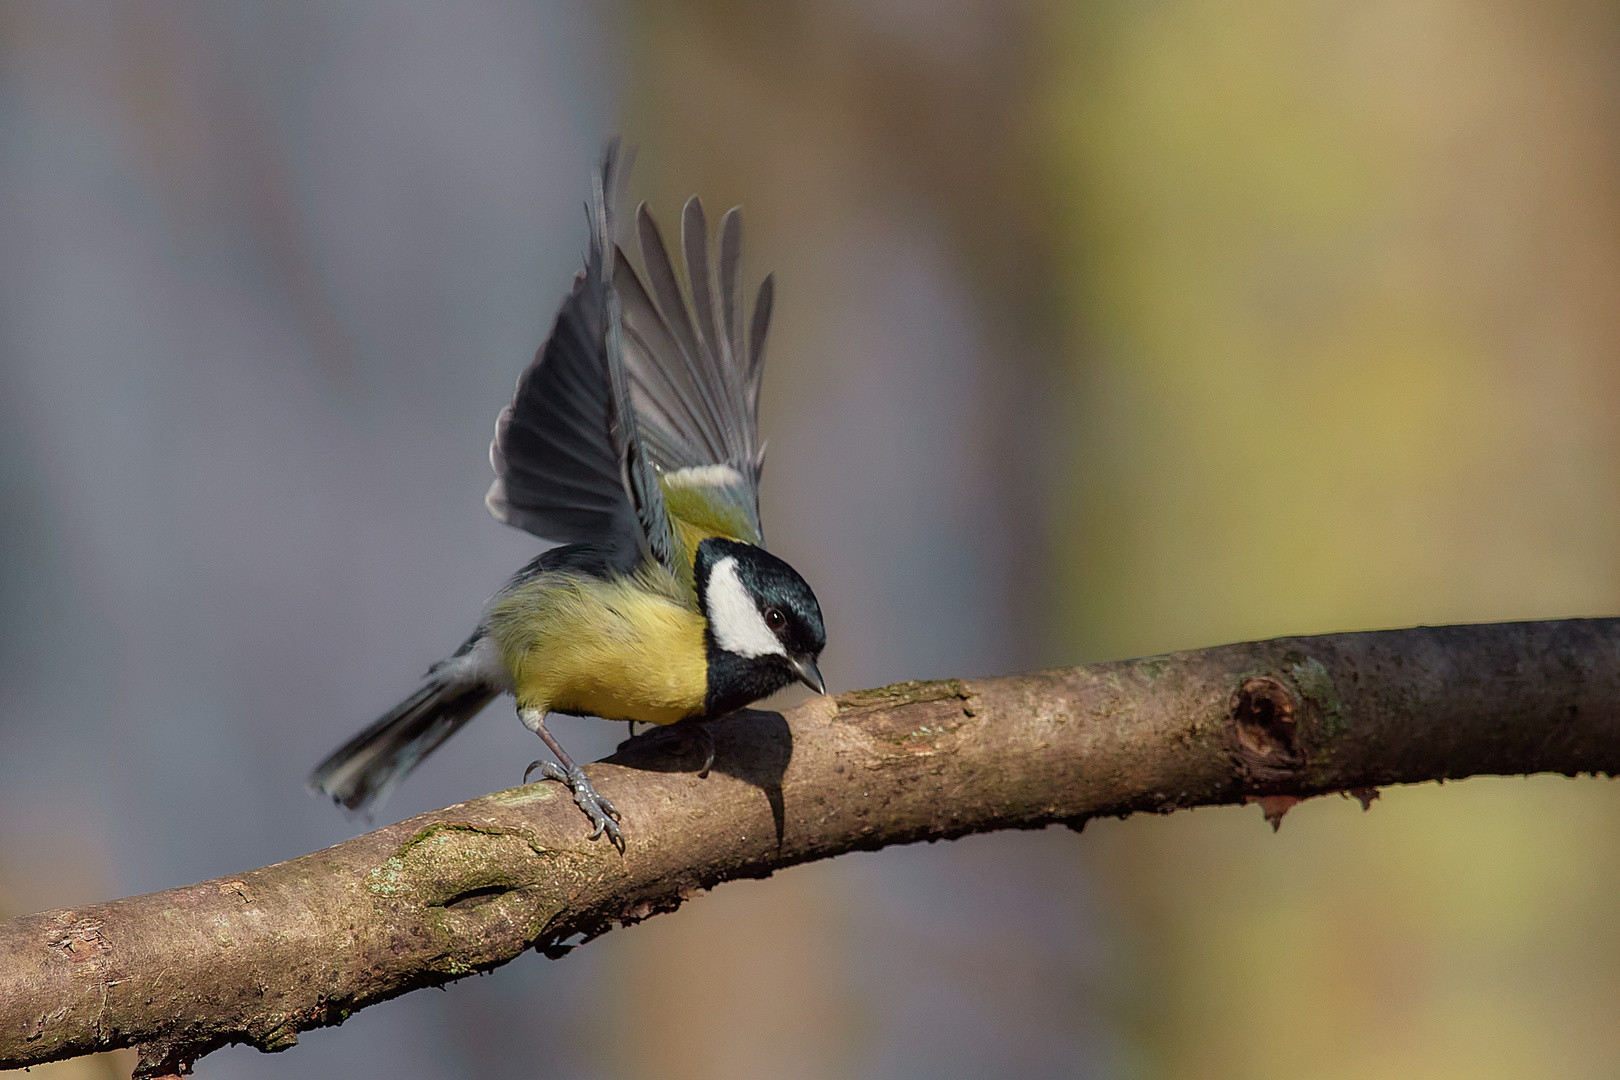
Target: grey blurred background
x=269, y=272
x=1102, y=329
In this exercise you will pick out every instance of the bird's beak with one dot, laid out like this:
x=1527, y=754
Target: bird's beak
x=808, y=673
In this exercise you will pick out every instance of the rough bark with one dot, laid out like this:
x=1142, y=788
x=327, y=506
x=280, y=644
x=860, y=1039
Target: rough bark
x=262, y=955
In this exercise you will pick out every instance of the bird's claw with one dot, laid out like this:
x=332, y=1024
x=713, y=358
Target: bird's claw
x=602, y=813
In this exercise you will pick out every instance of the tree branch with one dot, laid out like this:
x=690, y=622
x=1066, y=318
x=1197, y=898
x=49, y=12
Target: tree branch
x=262, y=955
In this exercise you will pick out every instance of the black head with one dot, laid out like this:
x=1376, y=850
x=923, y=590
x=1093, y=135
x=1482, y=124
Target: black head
x=764, y=627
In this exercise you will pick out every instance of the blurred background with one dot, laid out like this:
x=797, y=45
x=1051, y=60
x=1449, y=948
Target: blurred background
x=1104, y=329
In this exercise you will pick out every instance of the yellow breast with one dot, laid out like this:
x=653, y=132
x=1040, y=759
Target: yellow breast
x=615, y=649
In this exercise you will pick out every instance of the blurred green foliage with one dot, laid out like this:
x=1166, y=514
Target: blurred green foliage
x=1339, y=288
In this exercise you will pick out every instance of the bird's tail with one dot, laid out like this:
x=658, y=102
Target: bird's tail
x=360, y=773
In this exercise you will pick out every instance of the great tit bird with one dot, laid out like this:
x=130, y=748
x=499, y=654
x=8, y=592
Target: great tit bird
x=633, y=441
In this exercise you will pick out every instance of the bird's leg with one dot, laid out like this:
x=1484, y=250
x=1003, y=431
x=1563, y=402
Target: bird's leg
x=683, y=732
x=700, y=728
x=596, y=807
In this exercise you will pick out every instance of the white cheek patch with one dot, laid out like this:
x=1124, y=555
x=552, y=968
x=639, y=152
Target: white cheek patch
x=737, y=624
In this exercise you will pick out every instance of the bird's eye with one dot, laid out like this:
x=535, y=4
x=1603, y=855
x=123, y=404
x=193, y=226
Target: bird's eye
x=774, y=618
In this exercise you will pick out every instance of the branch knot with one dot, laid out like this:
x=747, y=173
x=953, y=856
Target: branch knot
x=1265, y=729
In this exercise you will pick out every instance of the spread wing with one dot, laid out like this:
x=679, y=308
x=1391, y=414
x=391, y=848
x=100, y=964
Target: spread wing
x=694, y=375
x=569, y=462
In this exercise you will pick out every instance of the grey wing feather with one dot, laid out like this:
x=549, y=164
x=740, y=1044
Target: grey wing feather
x=663, y=384
x=731, y=285
x=756, y=348
x=569, y=465
x=695, y=389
